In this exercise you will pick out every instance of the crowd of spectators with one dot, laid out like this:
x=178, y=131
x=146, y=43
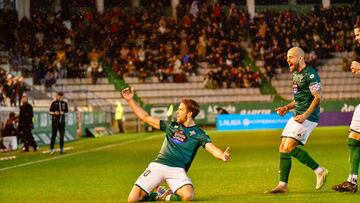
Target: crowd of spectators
x=319, y=33
x=11, y=89
x=150, y=43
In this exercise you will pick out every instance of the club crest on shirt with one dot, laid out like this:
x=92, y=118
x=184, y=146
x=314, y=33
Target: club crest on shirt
x=179, y=137
x=298, y=78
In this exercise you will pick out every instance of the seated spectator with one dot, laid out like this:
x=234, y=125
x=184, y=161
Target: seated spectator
x=95, y=71
x=9, y=133
x=50, y=79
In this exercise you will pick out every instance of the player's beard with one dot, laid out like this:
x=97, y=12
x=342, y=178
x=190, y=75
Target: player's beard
x=293, y=67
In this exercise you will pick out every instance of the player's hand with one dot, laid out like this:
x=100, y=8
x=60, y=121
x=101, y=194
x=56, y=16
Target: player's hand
x=281, y=110
x=226, y=155
x=355, y=67
x=56, y=113
x=300, y=118
x=127, y=93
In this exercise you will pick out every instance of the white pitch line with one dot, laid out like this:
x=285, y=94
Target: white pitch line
x=77, y=153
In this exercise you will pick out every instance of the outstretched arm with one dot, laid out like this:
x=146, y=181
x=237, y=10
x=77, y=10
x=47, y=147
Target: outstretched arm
x=139, y=112
x=217, y=152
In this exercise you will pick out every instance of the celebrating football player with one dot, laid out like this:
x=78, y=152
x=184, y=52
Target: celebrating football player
x=182, y=140
x=306, y=105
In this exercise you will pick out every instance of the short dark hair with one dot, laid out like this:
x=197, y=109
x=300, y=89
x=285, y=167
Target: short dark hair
x=357, y=25
x=60, y=94
x=192, y=106
x=12, y=115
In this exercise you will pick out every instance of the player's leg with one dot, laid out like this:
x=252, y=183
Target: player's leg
x=146, y=183
x=354, y=154
x=354, y=149
x=285, y=158
x=294, y=134
x=284, y=165
x=350, y=185
x=180, y=183
x=302, y=133
x=186, y=193
x=137, y=194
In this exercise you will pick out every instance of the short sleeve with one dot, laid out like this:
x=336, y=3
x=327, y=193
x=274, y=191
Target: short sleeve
x=204, y=139
x=314, y=82
x=163, y=125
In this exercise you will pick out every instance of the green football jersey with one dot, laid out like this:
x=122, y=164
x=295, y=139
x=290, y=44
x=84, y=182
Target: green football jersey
x=180, y=144
x=303, y=83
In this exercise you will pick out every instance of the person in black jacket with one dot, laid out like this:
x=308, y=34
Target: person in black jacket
x=26, y=124
x=58, y=108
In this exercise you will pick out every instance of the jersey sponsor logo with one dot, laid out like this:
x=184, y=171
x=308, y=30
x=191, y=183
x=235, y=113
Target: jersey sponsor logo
x=311, y=76
x=295, y=88
x=179, y=137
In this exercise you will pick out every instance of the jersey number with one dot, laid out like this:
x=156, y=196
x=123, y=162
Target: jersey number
x=146, y=173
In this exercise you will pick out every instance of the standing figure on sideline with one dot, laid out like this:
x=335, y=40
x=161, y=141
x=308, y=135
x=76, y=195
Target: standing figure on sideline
x=57, y=110
x=119, y=116
x=26, y=124
x=182, y=140
x=350, y=185
x=306, y=105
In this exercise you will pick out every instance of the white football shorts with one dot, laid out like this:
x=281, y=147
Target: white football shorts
x=298, y=131
x=355, y=121
x=157, y=173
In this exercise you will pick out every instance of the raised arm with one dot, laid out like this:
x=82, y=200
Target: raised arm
x=217, y=152
x=139, y=112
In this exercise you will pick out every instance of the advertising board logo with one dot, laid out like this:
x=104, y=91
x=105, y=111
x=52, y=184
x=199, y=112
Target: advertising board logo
x=246, y=122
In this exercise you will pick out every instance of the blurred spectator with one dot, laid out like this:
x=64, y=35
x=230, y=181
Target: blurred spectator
x=9, y=133
x=26, y=124
x=221, y=110
x=119, y=116
x=50, y=79
x=143, y=44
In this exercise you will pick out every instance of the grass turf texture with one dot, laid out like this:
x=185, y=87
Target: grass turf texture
x=104, y=169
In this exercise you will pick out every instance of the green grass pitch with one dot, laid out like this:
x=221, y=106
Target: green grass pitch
x=104, y=169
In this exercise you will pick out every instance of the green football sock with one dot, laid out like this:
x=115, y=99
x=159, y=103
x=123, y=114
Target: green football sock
x=304, y=158
x=285, y=166
x=175, y=197
x=354, y=152
x=151, y=197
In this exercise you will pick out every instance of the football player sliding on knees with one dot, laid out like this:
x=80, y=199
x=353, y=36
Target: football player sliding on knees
x=182, y=140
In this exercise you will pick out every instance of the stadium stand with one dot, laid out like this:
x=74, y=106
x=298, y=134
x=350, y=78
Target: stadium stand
x=144, y=47
x=170, y=93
